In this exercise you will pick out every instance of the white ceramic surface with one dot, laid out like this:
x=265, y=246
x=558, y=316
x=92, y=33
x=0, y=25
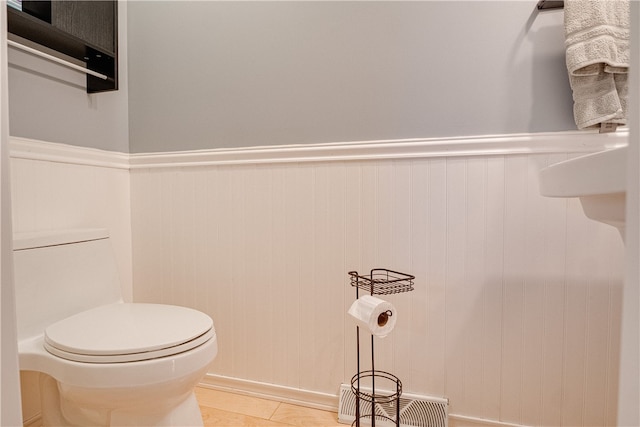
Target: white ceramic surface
x=117, y=329
x=145, y=358
x=598, y=179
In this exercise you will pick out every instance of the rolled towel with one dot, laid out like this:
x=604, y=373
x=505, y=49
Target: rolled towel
x=597, y=55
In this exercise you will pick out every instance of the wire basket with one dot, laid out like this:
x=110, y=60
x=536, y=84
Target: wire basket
x=376, y=405
x=366, y=391
x=382, y=281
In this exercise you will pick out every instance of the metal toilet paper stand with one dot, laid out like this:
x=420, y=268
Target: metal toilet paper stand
x=383, y=405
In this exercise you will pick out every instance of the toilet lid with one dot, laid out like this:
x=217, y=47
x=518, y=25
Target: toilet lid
x=126, y=332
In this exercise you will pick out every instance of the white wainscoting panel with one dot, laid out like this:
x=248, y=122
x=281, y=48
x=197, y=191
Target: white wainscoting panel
x=515, y=315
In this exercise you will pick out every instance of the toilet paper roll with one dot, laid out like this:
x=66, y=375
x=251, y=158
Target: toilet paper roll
x=376, y=315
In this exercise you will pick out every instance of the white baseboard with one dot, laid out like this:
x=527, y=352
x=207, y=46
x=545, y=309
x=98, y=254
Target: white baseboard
x=456, y=420
x=311, y=399
x=34, y=421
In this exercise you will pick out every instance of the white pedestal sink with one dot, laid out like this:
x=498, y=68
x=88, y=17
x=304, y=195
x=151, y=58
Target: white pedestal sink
x=598, y=179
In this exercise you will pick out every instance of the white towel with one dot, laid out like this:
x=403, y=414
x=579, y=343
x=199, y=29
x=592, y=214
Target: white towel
x=597, y=43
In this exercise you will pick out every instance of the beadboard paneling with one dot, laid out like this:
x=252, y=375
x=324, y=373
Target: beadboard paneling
x=516, y=313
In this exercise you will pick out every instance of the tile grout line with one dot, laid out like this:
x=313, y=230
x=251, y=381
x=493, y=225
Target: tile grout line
x=274, y=411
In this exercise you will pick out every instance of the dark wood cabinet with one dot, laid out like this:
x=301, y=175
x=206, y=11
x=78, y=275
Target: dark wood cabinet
x=84, y=30
x=93, y=21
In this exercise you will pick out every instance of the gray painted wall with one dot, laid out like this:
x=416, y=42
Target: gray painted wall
x=232, y=74
x=49, y=102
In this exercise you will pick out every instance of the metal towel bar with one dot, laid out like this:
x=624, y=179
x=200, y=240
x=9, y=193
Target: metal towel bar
x=55, y=59
x=550, y=5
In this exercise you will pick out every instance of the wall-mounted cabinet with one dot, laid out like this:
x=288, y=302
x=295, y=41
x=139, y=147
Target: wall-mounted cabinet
x=84, y=30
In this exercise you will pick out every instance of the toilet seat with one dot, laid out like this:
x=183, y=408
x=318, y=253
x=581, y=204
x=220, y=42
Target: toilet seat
x=128, y=332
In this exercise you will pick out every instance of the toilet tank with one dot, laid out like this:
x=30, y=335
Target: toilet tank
x=58, y=274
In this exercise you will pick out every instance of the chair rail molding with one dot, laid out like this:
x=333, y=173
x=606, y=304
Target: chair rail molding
x=472, y=146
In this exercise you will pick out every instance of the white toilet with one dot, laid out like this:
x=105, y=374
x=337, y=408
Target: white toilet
x=103, y=362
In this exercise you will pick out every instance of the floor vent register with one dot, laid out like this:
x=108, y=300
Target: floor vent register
x=415, y=411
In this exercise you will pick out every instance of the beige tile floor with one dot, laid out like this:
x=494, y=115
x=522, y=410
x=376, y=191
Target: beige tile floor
x=223, y=409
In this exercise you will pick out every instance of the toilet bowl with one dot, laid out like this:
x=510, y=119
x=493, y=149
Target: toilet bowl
x=103, y=361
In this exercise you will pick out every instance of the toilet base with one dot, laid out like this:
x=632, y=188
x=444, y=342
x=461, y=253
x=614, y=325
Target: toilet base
x=57, y=410
x=186, y=413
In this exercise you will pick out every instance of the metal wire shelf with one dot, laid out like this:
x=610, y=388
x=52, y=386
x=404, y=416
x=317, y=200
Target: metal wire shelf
x=382, y=282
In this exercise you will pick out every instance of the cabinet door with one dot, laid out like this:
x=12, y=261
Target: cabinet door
x=91, y=21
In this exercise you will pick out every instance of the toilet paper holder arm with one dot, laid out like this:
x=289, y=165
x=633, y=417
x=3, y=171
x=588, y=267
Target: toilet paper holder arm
x=383, y=317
